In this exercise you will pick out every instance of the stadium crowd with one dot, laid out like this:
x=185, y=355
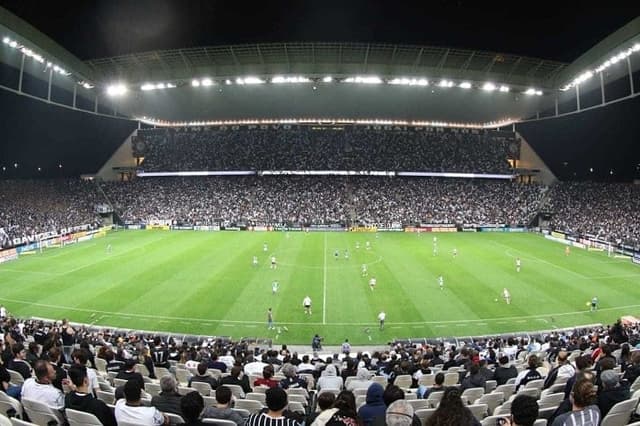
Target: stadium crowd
x=29, y=207
x=325, y=200
x=326, y=148
x=608, y=211
x=67, y=367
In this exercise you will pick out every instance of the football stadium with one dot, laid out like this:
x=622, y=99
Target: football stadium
x=293, y=211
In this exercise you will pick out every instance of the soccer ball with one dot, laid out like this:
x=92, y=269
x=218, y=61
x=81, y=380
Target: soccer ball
x=495, y=300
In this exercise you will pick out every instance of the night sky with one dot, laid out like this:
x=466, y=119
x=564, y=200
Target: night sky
x=91, y=29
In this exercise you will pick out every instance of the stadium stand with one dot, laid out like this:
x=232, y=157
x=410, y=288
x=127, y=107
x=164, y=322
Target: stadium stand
x=387, y=365
x=324, y=200
x=306, y=148
x=606, y=210
x=29, y=207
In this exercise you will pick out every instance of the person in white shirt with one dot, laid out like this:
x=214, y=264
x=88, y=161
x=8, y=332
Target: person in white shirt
x=372, y=283
x=364, y=270
x=40, y=388
x=254, y=366
x=441, y=282
x=255, y=261
x=228, y=359
x=381, y=317
x=130, y=410
x=329, y=379
x=306, y=303
x=305, y=366
x=506, y=296
x=518, y=264
x=274, y=264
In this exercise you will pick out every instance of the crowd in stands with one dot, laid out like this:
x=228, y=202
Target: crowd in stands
x=325, y=200
x=563, y=376
x=29, y=207
x=326, y=148
x=608, y=211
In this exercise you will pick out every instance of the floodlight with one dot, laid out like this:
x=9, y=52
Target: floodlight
x=147, y=86
x=252, y=80
x=445, y=83
x=87, y=85
x=13, y=44
x=409, y=81
x=364, y=80
x=6, y=40
x=636, y=47
x=207, y=82
x=489, y=87
x=118, y=89
x=160, y=86
x=504, y=89
x=171, y=86
x=530, y=91
x=327, y=79
x=465, y=85
x=195, y=83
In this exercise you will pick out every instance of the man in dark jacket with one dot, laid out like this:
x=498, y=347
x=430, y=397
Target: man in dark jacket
x=475, y=379
x=81, y=399
x=613, y=391
x=375, y=404
x=504, y=371
x=235, y=379
x=127, y=373
x=168, y=400
x=391, y=394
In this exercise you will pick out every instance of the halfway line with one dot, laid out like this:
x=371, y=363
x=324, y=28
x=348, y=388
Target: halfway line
x=324, y=282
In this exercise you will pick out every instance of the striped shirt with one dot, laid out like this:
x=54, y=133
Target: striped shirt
x=262, y=419
x=589, y=416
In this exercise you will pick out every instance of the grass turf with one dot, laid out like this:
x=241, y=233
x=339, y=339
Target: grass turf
x=204, y=283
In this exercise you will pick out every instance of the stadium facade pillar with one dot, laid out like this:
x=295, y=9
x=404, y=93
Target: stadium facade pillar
x=631, y=88
x=21, y=74
x=49, y=87
x=578, y=97
x=75, y=93
x=601, y=89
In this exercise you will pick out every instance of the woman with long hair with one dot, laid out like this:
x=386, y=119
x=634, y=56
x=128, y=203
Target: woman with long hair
x=346, y=414
x=451, y=411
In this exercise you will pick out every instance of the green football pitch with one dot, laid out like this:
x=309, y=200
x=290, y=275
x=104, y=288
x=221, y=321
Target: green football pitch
x=204, y=283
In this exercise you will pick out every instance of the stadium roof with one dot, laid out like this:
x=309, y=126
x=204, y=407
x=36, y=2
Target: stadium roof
x=327, y=58
x=313, y=60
